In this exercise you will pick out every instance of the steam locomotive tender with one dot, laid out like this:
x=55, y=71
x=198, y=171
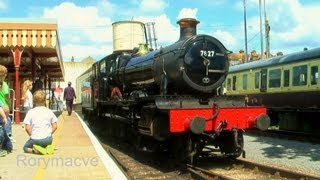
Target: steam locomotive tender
x=170, y=98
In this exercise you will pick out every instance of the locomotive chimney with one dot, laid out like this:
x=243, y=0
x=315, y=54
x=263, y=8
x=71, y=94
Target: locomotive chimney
x=188, y=27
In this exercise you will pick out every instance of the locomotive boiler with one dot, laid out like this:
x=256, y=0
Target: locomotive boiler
x=170, y=98
x=194, y=65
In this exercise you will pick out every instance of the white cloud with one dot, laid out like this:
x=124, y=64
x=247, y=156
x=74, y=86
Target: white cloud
x=89, y=27
x=3, y=4
x=226, y=38
x=70, y=15
x=153, y=5
x=188, y=13
x=166, y=32
x=106, y=8
x=80, y=26
x=293, y=26
x=79, y=52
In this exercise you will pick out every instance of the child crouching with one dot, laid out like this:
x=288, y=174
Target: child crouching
x=40, y=124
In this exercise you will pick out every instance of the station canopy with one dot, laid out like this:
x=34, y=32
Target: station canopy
x=38, y=41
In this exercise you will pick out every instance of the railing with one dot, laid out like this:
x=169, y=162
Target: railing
x=13, y=94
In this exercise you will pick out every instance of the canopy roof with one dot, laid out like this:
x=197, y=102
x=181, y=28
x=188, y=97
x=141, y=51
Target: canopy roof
x=39, y=40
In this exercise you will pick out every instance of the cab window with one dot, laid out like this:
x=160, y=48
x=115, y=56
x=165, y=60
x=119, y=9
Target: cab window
x=113, y=66
x=299, y=75
x=103, y=67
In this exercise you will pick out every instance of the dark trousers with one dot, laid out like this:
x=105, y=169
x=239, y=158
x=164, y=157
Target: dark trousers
x=4, y=138
x=69, y=104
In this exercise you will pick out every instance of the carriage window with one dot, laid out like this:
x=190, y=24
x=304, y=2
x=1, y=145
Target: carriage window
x=314, y=75
x=286, y=74
x=274, y=78
x=257, y=80
x=234, y=82
x=299, y=75
x=244, y=81
x=228, y=84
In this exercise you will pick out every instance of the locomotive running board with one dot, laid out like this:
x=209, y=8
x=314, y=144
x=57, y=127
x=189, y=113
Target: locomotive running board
x=176, y=102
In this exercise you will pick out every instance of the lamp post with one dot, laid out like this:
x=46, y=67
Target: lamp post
x=261, y=36
x=245, y=32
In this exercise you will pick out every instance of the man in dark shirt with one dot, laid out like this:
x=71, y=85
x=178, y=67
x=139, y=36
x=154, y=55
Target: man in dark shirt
x=69, y=95
x=38, y=84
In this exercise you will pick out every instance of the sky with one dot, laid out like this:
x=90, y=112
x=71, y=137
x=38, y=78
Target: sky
x=85, y=26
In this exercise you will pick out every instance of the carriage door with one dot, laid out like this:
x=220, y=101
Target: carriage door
x=264, y=75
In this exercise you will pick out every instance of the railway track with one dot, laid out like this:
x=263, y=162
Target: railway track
x=145, y=165
x=242, y=169
x=288, y=135
x=141, y=165
x=137, y=166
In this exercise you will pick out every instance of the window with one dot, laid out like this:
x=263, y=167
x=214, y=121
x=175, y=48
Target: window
x=113, y=66
x=274, y=78
x=314, y=75
x=286, y=75
x=228, y=84
x=94, y=70
x=103, y=67
x=234, y=82
x=244, y=81
x=264, y=75
x=257, y=80
x=299, y=75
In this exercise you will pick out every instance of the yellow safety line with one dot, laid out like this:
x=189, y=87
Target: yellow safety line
x=40, y=170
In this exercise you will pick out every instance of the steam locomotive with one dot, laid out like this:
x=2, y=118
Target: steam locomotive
x=170, y=98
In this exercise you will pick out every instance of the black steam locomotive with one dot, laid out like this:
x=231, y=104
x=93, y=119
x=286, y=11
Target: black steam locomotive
x=169, y=98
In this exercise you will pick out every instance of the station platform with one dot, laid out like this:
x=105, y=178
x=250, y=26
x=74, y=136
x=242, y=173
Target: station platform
x=78, y=155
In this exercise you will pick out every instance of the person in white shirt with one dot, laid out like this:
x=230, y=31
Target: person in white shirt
x=26, y=96
x=40, y=124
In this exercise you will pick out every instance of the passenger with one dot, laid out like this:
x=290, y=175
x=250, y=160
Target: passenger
x=58, y=97
x=115, y=93
x=40, y=124
x=4, y=99
x=5, y=142
x=26, y=96
x=38, y=84
x=69, y=95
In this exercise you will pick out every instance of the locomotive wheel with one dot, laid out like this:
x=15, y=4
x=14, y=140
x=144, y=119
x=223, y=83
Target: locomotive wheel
x=231, y=143
x=184, y=149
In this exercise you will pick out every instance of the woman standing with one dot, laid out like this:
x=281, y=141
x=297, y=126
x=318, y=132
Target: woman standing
x=26, y=97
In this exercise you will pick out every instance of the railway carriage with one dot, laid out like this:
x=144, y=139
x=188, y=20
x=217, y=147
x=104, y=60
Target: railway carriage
x=287, y=85
x=169, y=98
